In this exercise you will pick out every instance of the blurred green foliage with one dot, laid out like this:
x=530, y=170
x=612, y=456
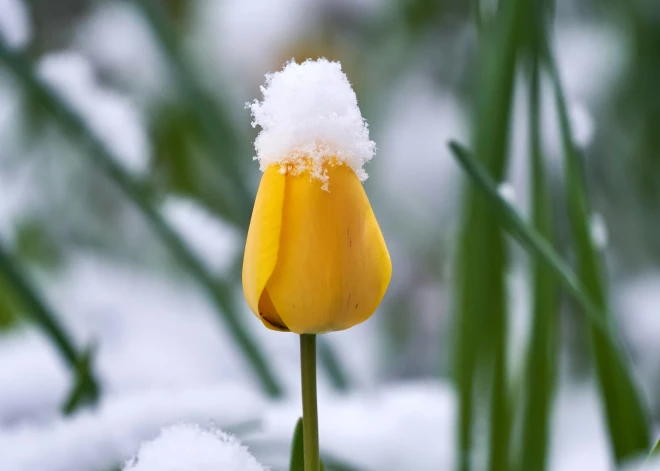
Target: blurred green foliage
x=481, y=320
x=627, y=416
x=482, y=265
x=8, y=305
x=540, y=376
x=34, y=245
x=86, y=388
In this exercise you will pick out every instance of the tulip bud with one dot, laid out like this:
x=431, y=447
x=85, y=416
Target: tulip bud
x=315, y=258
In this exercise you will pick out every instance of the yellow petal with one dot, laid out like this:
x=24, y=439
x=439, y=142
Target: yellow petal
x=269, y=315
x=262, y=246
x=332, y=267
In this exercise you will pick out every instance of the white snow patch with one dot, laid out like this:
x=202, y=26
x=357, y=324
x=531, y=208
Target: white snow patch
x=394, y=427
x=638, y=305
x=132, y=56
x=507, y=192
x=638, y=302
x=598, y=231
x=582, y=124
x=110, y=115
x=215, y=242
x=310, y=110
x=151, y=331
x=591, y=57
x=191, y=448
x=579, y=436
x=34, y=378
x=99, y=439
x=15, y=28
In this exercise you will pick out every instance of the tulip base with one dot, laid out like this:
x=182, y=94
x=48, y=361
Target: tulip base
x=310, y=413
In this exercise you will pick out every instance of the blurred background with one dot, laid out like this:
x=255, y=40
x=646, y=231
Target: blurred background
x=127, y=181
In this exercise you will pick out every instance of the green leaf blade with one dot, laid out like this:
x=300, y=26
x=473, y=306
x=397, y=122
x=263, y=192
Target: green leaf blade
x=482, y=257
x=297, y=462
x=655, y=453
x=540, y=373
x=623, y=394
x=626, y=414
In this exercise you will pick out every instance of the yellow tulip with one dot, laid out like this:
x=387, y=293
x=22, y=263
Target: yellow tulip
x=315, y=258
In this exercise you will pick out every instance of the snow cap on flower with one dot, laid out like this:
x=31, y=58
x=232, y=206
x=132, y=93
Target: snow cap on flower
x=191, y=448
x=309, y=114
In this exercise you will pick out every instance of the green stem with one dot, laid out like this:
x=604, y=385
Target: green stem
x=310, y=412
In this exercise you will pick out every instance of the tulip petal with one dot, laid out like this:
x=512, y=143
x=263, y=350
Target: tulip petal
x=263, y=240
x=333, y=267
x=269, y=315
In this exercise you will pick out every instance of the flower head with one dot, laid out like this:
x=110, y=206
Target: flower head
x=315, y=259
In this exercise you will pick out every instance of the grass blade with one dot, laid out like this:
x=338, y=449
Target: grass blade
x=653, y=460
x=219, y=291
x=625, y=413
x=542, y=350
x=527, y=236
x=86, y=388
x=8, y=309
x=656, y=449
x=625, y=394
x=482, y=257
x=297, y=448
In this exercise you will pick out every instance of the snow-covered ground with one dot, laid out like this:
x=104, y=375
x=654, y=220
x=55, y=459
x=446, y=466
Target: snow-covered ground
x=163, y=360
x=187, y=447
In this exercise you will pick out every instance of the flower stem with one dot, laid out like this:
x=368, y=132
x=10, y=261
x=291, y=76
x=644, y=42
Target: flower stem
x=310, y=413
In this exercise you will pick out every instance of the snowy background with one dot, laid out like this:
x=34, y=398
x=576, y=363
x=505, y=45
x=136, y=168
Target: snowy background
x=162, y=353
